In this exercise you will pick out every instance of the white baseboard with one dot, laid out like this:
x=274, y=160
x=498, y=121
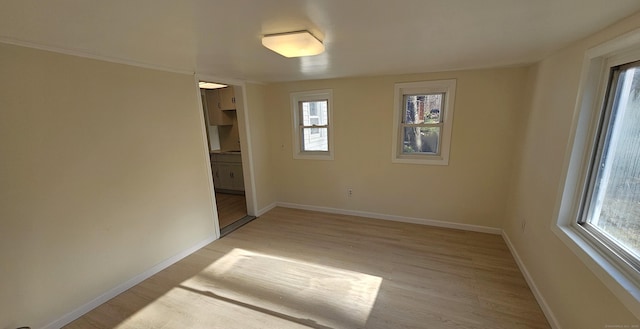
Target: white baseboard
x=67, y=318
x=265, y=209
x=532, y=285
x=413, y=220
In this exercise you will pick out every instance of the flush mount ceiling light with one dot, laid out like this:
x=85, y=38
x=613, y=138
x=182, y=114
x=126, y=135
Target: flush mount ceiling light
x=210, y=85
x=293, y=44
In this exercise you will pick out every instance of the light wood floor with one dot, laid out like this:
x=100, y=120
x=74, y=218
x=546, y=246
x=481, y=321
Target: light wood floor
x=300, y=269
x=231, y=207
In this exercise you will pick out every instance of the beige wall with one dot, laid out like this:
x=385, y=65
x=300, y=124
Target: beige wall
x=578, y=299
x=102, y=176
x=470, y=190
x=261, y=141
x=103, y=171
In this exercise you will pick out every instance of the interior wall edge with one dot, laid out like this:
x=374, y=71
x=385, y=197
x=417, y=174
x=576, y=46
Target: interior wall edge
x=403, y=219
x=80, y=311
x=266, y=209
x=79, y=53
x=546, y=309
x=207, y=161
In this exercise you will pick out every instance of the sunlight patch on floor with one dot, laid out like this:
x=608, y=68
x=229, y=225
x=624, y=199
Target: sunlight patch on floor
x=246, y=289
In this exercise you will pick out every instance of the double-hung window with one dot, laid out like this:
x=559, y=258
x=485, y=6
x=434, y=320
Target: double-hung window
x=423, y=120
x=312, y=131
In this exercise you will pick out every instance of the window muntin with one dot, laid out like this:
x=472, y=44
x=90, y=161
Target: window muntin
x=611, y=203
x=422, y=123
x=423, y=120
x=312, y=129
x=314, y=124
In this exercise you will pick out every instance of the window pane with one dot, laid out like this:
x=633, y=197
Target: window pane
x=420, y=109
x=615, y=205
x=314, y=113
x=315, y=139
x=421, y=140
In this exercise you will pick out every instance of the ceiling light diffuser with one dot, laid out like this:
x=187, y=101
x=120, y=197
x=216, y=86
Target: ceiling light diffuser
x=210, y=85
x=293, y=44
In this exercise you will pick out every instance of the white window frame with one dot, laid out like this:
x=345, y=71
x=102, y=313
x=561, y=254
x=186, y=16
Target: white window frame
x=305, y=96
x=448, y=88
x=619, y=277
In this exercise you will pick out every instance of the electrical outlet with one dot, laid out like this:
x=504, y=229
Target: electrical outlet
x=349, y=192
x=523, y=224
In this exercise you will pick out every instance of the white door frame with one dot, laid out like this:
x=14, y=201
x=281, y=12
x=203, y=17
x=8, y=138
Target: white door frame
x=245, y=145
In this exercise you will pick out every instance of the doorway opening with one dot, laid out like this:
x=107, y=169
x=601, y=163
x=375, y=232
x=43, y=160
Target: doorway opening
x=220, y=106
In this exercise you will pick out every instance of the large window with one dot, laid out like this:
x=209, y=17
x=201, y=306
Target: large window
x=611, y=205
x=598, y=214
x=423, y=122
x=312, y=131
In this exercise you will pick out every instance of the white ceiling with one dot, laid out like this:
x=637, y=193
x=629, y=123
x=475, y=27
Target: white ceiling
x=362, y=37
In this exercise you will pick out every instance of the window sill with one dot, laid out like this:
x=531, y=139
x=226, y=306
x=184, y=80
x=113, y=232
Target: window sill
x=313, y=156
x=617, y=281
x=421, y=160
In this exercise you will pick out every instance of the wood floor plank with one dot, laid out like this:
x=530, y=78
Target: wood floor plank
x=231, y=207
x=301, y=269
